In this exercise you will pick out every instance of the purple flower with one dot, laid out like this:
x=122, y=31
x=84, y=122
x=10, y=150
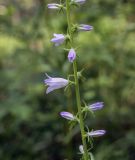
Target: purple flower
x=58, y=39
x=54, y=83
x=79, y=1
x=85, y=27
x=53, y=6
x=96, y=106
x=96, y=133
x=67, y=115
x=71, y=55
x=81, y=149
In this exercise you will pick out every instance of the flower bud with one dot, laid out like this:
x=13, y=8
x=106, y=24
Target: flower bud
x=67, y=115
x=96, y=106
x=84, y=27
x=96, y=133
x=71, y=55
x=53, y=6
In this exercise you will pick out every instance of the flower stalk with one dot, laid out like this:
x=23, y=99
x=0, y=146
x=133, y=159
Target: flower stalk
x=86, y=156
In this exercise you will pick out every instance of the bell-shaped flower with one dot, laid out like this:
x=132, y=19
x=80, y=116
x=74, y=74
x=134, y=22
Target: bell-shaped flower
x=71, y=55
x=67, y=115
x=96, y=133
x=79, y=1
x=55, y=83
x=58, y=39
x=84, y=27
x=96, y=106
x=53, y=6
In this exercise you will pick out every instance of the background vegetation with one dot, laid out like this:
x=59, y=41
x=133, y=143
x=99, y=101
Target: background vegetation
x=30, y=125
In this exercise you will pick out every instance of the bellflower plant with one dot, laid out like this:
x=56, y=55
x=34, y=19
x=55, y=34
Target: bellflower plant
x=57, y=83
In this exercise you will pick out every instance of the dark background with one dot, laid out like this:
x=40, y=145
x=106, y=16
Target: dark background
x=30, y=125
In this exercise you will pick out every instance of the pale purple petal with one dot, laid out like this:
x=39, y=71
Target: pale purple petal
x=67, y=115
x=96, y=106
x=85, y=27
x=96, y=133
x=50, y=89
x=53, y=87
x=71, y=55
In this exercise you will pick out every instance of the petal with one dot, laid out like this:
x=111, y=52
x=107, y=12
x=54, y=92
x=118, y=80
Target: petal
x=51, y=88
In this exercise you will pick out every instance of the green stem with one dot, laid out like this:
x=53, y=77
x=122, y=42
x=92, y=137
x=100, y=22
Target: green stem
x=86, y=156
x=69, y=22
x=79, y=111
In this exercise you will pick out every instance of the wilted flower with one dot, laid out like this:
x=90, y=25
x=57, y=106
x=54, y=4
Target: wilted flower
x=79, y=1
x=71, y=55
x=96, y=133
x=58, y=39
x=54, y=83
x=53, y=6
x=67, y=115
x=81, y=149
x=96, y=106
x=85, y=27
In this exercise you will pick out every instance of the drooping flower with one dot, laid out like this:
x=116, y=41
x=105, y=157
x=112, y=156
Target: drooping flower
x=81, y=149
x=85, y=27
x=67, y=115
x=58, y=39
x=53, y=6
x=54, y=83
x=79, y=1
x=96, y=133
x=71, y=55
x=96, y=106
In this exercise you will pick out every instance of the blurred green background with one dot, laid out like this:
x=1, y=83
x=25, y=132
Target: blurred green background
x=30, y=125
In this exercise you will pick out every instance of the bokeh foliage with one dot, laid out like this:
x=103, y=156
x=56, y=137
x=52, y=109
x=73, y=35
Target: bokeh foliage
x=30, y=126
